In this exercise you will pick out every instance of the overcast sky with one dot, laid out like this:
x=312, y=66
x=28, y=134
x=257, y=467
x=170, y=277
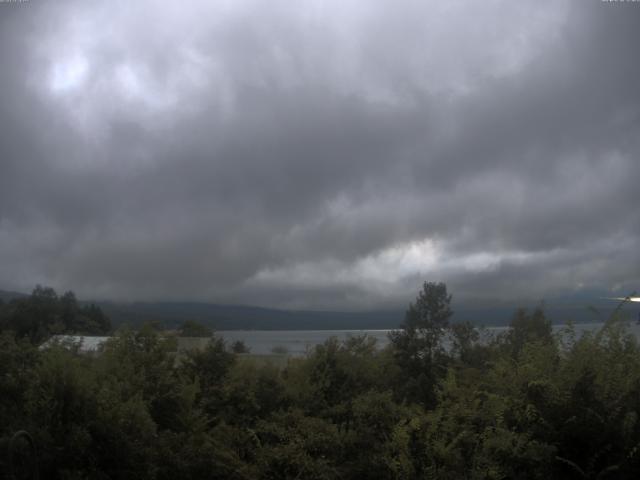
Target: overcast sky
x=319, y=154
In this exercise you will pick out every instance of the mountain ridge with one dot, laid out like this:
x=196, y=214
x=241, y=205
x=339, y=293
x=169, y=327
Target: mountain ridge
x=246, y=317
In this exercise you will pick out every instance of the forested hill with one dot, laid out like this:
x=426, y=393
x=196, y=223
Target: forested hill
x=239, y=317
x=6, y=295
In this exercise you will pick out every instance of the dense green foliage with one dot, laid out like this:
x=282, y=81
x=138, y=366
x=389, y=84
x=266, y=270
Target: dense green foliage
x=44, y=313
x=191, y=328
x=527, y=404
x=418, y=348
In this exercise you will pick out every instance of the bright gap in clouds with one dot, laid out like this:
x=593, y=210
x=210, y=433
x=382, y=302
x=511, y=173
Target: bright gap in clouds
x=386, y=266
x=430, y=124
x=386, y=269
x=68, y=74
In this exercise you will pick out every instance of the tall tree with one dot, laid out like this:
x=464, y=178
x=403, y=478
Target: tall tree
x=417, y=347
x=526, y=328
x=191, y=328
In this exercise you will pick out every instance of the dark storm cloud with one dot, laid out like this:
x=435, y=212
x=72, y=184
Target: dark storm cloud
x=323, y=155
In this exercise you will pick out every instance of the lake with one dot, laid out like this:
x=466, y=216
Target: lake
x=297, y=342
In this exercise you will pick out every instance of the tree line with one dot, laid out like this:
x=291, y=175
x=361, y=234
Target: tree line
x=44, y=313
x=525, y=404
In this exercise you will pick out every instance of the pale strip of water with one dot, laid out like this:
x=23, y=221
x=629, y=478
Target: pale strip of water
x=298, y=342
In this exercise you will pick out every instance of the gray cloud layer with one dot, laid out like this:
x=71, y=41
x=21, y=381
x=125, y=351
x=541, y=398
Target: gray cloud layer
x=322, y=155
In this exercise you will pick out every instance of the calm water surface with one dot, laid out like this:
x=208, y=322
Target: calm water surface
x=298, y=342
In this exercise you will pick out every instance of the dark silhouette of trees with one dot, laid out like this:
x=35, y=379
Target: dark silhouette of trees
x=191, y=328
x=418, y=348
x=44, y=313
x=527, y=404
x=239, y=347
x=526, y=328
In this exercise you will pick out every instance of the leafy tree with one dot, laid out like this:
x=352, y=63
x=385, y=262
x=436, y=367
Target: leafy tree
x=253, y=392
x=68, y=307
x=239, y=347
x=464, y=342
x=36, y=316
x=18, y=359
x=526, y=328
x=92, y=320
x=369, y=451
x=334, y=374
x=44, y=313
x=191, y=328
x=209, y=368
x=417, y=347
x=294, y=446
